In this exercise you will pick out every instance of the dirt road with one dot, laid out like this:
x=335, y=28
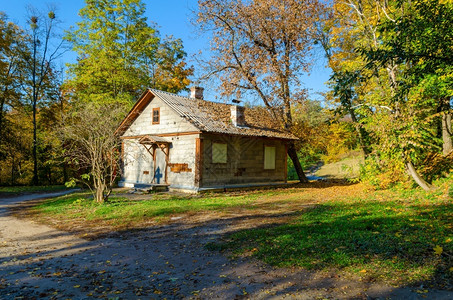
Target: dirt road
x=171, y=262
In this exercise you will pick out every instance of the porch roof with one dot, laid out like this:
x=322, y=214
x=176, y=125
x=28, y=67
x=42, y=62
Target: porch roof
x=153, y=140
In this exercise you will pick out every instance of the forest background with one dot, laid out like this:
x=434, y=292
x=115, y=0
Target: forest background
x=389, y=95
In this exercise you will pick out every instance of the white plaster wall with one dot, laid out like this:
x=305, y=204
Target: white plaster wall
x=136, y=161
x=182, y=151
x=170, y=121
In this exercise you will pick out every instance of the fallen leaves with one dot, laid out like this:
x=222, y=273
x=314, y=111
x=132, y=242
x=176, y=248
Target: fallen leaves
x=438, y=250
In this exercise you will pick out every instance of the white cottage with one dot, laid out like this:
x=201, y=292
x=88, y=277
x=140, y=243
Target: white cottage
x=191, y=144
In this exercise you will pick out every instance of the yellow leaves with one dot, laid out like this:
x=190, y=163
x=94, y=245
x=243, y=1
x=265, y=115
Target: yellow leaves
x=446, y=2
x=362, y=271
x=77, y=286
x=438, y=250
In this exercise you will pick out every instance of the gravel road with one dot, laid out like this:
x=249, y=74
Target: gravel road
x=39, y=262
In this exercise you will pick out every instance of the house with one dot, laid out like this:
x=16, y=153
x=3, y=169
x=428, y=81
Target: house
x=191, y=144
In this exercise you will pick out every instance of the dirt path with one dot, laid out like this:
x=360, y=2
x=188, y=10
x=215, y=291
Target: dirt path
x=171, y=262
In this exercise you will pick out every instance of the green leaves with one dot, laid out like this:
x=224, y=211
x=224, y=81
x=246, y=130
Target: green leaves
x=392, y=63
x=121, y=54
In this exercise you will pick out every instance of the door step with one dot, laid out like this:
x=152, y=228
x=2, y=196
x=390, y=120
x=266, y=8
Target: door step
x=150, y=188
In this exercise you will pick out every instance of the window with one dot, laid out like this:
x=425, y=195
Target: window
x=219, y=153
x=156, y=115
x=269, y=157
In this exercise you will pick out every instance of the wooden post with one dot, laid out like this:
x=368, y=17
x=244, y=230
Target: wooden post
x=154, y=162
x=167, y=159
x=198, y=162
x=286, y=163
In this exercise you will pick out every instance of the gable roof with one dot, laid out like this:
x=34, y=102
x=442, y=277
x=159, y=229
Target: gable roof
x=210, y=116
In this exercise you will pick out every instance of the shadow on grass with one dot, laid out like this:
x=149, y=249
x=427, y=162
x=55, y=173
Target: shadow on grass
x=172, y=261
x=379, y=239
x=11, y=191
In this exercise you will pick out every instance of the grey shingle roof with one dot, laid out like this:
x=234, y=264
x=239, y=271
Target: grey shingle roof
x=214, y=117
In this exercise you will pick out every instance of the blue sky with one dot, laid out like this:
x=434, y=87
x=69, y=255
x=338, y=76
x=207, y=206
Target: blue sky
x=172, y=17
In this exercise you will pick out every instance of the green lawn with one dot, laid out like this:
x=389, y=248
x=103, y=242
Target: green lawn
x=391, y=235
x=123, y=211
x=345, y=168
x=11, y=190
x=399, y=236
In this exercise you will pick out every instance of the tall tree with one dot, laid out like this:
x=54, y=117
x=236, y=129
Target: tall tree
x=12, y=45
x=43, y=54
x=421, y=39
x=262, y=47
x=120, y=53
x=389, y=46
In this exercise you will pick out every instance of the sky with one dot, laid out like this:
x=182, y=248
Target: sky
x=171, y=16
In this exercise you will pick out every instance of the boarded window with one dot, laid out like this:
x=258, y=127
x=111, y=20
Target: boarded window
x=269, y=157
x=156, y=115
x=219, y=153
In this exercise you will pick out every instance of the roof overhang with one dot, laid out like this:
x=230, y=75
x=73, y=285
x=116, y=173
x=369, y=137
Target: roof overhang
x=153, y=140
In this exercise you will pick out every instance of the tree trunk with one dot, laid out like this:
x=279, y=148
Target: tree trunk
x=35, y=143
x=2, y=104
x=12, y=170
x=292, y=153
x=99, y=194
x=417, y=178
x=447, y=145
x=35, y=100
x=65, y=173
x=360, y=132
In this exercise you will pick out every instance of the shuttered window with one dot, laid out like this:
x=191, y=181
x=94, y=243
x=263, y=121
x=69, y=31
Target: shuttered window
x=269, y=157
x=219, y=153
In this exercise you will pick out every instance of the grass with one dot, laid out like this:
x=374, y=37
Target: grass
x=122, y=213
x=390, y=236
x=11, y=190
x=346, y=168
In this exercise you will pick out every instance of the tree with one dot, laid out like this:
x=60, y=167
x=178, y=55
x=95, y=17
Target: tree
x=120, y=54
x=91, y=145
x=421, y=40
x=262, y=47
x=385, y=56
x=40, y=60
x=12, y=45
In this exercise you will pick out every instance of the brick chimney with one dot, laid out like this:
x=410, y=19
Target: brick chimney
x=196, y=92
x=237, y=114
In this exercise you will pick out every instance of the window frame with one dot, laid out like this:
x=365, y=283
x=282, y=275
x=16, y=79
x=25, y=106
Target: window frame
x=273, y=165
x=158, y=116
x=226, y=153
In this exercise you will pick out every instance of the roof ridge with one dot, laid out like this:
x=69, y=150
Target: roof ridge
x=168, y=93
x=188, y=98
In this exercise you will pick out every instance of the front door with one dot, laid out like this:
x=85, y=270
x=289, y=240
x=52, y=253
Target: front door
x=160, y=169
